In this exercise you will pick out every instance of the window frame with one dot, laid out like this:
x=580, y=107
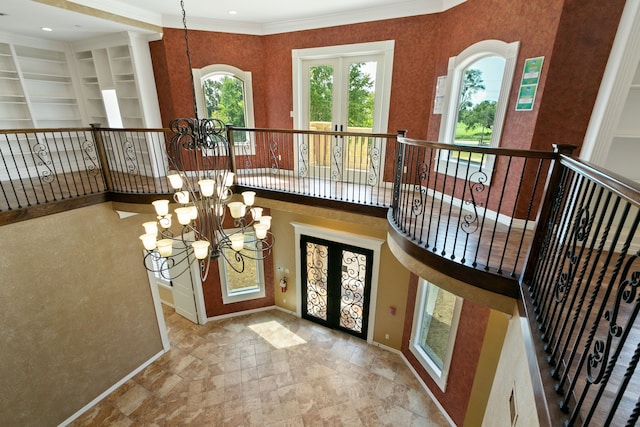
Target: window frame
x=200, y=74
x=456, y=67
x=438, y=375
x=248, y=294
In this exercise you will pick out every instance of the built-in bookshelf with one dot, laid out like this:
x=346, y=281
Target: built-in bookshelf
x=48, y=87
x=625, y=146
x=14, y=110
x=121, y=64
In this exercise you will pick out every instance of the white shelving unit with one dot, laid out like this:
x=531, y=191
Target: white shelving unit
x=14, y=110
x=625, y=145
x=48, y=87
x=121, y=63
x=91, y=87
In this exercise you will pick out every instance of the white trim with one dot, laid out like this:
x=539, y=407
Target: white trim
x=343, y=237
x=439, y=376
x=378, y=13
x=384, y=48
x=199, y=74
x=259, y=291
x=623, y=60
x=428, y=391
x=241, y=313
x=110, y=390
x=284, y=310
x=457, y=65
x=157, y=305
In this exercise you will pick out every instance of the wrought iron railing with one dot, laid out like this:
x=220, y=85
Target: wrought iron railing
x=342, y=166
x=482, y=209
x=471, y=205
x=134, y=161
x=48, y=165
x=582, y=288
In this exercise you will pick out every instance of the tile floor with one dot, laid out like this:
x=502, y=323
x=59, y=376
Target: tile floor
x=267, y=369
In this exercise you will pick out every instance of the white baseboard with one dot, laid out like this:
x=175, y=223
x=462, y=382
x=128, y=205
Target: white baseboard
x=284, y=310
x=241, y=313
x=415, y=374
x=110, y=390
x=428, y=391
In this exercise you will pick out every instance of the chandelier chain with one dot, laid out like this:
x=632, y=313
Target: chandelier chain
x=188, y=51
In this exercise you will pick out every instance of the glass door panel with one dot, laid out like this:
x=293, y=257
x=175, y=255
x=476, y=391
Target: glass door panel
x=317, y=264
x=336, y=284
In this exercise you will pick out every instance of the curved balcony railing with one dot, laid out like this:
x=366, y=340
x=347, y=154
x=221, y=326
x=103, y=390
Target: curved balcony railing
x=469, y=205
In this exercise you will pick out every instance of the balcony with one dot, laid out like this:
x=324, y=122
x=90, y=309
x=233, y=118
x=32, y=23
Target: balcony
x=542, y=228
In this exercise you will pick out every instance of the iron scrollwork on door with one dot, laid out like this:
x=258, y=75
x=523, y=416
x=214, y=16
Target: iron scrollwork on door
x=354, y=270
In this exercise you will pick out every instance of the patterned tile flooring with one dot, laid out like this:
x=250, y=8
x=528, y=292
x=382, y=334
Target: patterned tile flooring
x=267, y=369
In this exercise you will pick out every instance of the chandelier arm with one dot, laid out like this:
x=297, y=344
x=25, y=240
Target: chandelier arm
x=165, y=263
x=239, y=258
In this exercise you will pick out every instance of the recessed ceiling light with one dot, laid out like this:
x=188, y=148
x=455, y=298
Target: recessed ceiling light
x=233, y=12
x=46, y=29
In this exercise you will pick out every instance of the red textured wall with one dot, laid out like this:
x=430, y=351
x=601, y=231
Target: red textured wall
x=575, y=38
x=466, y=353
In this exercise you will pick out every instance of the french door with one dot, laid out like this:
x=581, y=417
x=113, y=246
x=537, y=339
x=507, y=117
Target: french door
x=340, y=95
x=336, y=284
x=342, y=88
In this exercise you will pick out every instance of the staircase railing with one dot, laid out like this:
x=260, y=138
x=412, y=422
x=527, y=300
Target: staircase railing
x=581, y=290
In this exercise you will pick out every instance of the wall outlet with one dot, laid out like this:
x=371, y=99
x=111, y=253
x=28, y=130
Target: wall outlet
x=386, y=336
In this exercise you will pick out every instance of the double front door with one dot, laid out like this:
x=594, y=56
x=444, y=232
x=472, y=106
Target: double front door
x=336, y=281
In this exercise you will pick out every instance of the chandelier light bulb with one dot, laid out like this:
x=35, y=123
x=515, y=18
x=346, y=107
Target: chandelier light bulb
x=175, y=180
x=161, y=206
x=237, y=241
x=193, y=211
x=237, y=209
x=207, y=187
x=200, y=249
x=150, y=227
x=261, y=230
x=148, y=241
x=182, y=197
x=165, y=247
x=228, y=179
x=184, y=215
x=266, y=220
x=256, y=213
x=249, y=197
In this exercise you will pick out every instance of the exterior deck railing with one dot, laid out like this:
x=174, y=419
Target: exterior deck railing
x=559, y=233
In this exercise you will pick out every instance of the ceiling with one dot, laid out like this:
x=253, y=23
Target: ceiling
x=81, y=19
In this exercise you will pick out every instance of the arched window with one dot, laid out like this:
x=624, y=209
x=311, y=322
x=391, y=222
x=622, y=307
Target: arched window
x=477, y=92
x=225, y=92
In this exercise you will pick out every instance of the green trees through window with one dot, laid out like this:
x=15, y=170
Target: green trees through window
x=478, y=101
x=361, y=94
x=224, y=99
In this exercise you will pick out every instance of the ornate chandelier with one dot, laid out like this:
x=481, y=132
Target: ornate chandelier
x=200, y=163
